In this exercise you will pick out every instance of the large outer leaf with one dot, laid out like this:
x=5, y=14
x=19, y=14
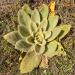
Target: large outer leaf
x=27, y=9
x=65, y=29
x=23, y=18
x=56, y=31
x=12, y=37
x=60, y=50
x=23, y=31
x=29, y=62
x=23, y=46
x=43, y=9
x=51, y=49
x=53, y=20
x=35, y=16
x=55, y=48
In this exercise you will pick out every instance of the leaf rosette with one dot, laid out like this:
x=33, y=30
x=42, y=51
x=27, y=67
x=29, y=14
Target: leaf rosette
x=38, y=35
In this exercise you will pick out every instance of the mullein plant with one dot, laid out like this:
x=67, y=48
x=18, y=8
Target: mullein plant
x=38, y=36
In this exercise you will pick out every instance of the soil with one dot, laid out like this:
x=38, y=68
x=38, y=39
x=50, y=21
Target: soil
x=9, y=64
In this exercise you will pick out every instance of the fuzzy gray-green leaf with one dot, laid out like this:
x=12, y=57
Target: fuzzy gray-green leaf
x=23, y=18
x=43, y=9
x=65, y=29
x=60, y=50
x=27, y=9
x=23, y=46
x=51, y=49
x=39, y=48
x=35, y=16
x=53, y=20
x=33, y=27
x=23, y=31
x=43, y=24
x=29, y=62
x=12, y=37
x=30, y=39
x=47, y=34
x=56, y=31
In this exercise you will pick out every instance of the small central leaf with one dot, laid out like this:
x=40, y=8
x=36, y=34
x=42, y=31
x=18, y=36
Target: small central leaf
x=39, y=37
